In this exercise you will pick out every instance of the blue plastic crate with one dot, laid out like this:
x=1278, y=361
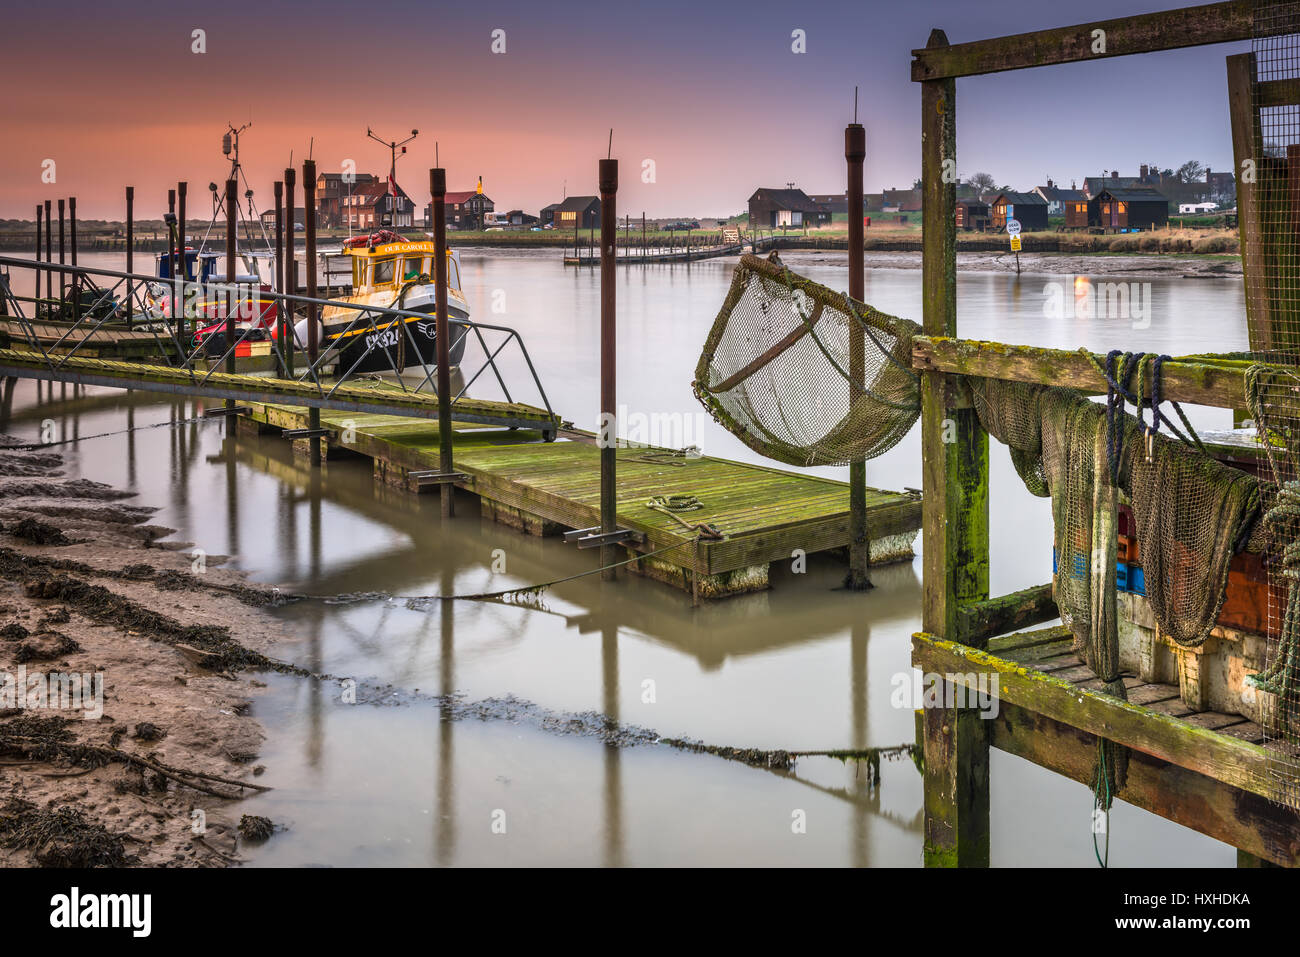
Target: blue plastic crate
x=1137, y=580
x=1121, y=577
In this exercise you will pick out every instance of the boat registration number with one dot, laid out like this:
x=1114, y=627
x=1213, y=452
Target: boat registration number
x=381, y=340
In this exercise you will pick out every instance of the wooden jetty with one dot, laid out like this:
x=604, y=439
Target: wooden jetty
x=546, y=488
x=1208, y=771
x=631, y=256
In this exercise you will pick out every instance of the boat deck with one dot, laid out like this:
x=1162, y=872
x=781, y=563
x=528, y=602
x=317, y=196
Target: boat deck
x=764, y=514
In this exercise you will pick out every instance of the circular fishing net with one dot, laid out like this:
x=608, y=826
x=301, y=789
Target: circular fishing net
x=805, y=375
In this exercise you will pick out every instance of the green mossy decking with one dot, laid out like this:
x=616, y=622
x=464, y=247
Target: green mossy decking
x=764, y=513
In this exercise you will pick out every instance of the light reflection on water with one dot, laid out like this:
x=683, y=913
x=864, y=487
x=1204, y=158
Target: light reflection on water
x=802, y=666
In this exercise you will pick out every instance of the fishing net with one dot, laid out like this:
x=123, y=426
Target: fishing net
x=805, y=375
x=1192, y=513
x=1271, y=240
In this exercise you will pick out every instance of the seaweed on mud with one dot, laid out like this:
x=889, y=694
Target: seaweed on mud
x=61, y=836
x=148, y=731
x=55, y=616
x=256, y=828
x=38, y=533
x=214, y=647
x=55, y=645
x=14, y=631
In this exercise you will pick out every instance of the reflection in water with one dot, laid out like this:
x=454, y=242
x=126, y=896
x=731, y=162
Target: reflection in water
x=802, y=666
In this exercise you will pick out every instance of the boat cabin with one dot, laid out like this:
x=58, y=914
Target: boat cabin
x=392, y=265
x=199, y=266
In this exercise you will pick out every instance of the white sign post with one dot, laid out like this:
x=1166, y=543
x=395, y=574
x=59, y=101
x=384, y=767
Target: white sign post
x=1013, y=227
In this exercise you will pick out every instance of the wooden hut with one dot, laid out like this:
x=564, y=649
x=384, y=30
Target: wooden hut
x=972, y=214
x=1029, y=209
x=1125, y=210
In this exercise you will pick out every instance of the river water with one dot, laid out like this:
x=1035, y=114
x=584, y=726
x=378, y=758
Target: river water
x=393, y=781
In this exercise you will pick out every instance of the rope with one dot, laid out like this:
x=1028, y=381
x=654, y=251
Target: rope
x=1102, y=799
x=670, y=505
x=1118, y=392
x=37, y=446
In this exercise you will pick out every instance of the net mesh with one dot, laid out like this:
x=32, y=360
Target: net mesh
x=1272, y=261
x=1193, y=514
x=805, y=375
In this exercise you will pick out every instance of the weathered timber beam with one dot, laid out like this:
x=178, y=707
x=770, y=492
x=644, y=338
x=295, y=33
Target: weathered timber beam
x=1226, y=759
x=1273, y=93
x=1246, y=821
x=1143, y=33
x=980, y=620
x=1220, y=385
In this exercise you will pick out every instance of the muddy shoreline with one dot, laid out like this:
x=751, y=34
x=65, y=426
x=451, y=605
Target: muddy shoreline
x=1116, y=265
x=152, y=764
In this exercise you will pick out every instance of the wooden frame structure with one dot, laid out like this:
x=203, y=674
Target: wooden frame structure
x=1183, y=767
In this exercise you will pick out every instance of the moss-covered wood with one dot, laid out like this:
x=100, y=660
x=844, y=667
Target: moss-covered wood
x=978, y=621
x=1141, y=33
x=1205, y=381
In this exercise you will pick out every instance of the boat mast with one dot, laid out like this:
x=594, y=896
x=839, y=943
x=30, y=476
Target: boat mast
x=393, y=147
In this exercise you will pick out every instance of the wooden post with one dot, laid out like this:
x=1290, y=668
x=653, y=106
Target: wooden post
x=62, y=259
x=1244, y=122
x=955, y=504
x=313, y=334
x=232, y=211
x=859, y=574
x=181, y=190
x=36, y=306
x=442, y=334
x=283, y=337
x=130, y=253
x=290, y=266
x=72, y=255
x=49, y=258
x=608, y=175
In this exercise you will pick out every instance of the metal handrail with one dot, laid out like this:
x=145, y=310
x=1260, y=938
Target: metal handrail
x=137, y=284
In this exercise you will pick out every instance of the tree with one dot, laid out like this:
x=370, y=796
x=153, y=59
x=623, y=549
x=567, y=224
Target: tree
x=1191, y=172
x=982, y=183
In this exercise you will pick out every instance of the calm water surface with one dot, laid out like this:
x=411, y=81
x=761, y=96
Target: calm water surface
x=803, y=666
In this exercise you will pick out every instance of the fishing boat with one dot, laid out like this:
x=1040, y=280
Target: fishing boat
x=392, y=272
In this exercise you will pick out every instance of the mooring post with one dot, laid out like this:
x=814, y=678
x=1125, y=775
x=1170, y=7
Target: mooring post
x=171, y=254
x=232, y=213
x=442, y=333
x=181, y=191
x=282, y=339
x=608, y=364
x=130, y=253
x=63, y=298
x=72, y=256
x=954, y=451
x=855, y=152
x=290, y=265
x=49, y=259
x=313, y=335
x=36, y=306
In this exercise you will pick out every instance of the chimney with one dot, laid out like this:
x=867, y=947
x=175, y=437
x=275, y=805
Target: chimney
x=1049, y=182
x=1207, y=176
x=1145, y=170
x=1114, y=174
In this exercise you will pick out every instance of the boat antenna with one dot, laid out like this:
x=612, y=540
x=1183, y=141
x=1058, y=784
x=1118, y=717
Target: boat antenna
x=610, y=154
x=855, y=104
x=393, y=147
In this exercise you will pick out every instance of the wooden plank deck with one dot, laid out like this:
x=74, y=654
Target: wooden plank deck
x=1051, y=711
x=764, y=513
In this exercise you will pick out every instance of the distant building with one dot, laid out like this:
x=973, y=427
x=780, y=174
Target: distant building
x=1124, y=209
x=1184, y=208
x=972, y=214
x=901, y=201
x=785, y=208
x=578, y=212
x=835, y=203
x=547, y=216
x=1147, y=176
x=371, y=207
x=299, y=217
x=1070, y=203
x=465, y=209
x=1221, y=187
x=332, y=189
x=1028, y=209
x=517, y=217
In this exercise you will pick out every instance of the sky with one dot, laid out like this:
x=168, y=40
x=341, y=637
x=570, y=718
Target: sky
x=710, y=91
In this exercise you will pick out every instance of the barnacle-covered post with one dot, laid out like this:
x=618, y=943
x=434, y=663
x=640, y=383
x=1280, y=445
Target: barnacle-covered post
x=438, y=189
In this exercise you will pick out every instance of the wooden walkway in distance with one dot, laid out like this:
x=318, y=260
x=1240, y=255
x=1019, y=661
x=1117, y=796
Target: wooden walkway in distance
x=662, y=254
x=764, y=513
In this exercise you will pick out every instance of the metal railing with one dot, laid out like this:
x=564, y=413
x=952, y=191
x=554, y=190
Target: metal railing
x=125, y=303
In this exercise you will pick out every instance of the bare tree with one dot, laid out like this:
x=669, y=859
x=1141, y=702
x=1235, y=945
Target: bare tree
x=1191, y=172
x=982, y=183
